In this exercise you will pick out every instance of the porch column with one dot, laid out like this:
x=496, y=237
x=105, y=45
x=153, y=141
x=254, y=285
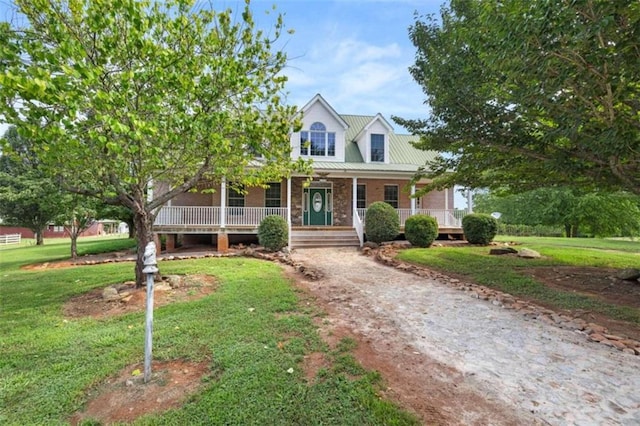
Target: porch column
x=413, y=200
x=446, y=206
x=355, y=196
x=223, y=202
x=289, y=209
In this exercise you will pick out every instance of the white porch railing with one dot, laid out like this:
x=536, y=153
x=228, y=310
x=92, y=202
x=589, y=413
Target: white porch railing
x=239, y=216
x=10, y=239
x=447, y=218
x=210, y=216
x=358, y=224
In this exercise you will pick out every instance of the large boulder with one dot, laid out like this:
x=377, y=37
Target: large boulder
x=529, y=254
x=629, y=274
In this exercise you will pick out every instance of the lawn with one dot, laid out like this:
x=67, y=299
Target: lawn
x=252, y=331
x=507, y=273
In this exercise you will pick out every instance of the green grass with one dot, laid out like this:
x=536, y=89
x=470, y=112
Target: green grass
x=49, y=364
x=504, y=273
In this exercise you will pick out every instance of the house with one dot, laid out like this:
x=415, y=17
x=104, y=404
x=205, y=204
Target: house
x=357, y=160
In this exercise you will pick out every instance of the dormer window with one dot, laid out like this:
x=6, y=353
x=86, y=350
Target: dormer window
x=317, y=142
x=377, y=148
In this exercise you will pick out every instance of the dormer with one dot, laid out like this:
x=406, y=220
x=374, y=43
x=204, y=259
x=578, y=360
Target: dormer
x=322, y=134
x=373, y=140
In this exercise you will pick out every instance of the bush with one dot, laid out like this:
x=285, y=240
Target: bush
x=479, y=228
x=421, y=230
x=273, y=233
x=381, y=222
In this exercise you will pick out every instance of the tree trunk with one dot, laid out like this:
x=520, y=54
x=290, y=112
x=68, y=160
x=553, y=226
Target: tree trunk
x=39, y=237
x=74, y=245
x=143, y=225
x=567, y=230
x=132, y=228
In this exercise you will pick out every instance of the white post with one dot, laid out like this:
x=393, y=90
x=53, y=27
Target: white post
x=289, y=210
x=413, y=200
x=150, y=269
x=469, y=201
x=223, y=203
x=446, y=206
x=355, y=194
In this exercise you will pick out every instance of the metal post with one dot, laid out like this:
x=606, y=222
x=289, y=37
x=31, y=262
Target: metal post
x=150, y=269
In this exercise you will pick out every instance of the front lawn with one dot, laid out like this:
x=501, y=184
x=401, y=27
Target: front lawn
x=251, y=331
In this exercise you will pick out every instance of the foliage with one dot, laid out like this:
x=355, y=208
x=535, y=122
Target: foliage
x=600, y=213
x=44, y=376
x=381, y=222
x=137, y=93
x=28, y=197
x=527, y=94
x=529, y=231
x=421, y=230
x=273, y=233
x=503, y=273
x=479, y=228
x=79, y=214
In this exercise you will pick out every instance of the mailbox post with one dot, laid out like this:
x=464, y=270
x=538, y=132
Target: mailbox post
x=150, y=269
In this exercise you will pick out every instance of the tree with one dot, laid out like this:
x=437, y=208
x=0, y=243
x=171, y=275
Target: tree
x=79, y=214
x=28, y=198
x=531, y=94
x=601, y=214
x=119, y=95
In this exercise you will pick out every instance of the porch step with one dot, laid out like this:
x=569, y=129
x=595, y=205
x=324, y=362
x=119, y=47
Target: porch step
x=324, y=237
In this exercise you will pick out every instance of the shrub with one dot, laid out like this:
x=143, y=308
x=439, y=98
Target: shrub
x=421, y=230
x=273, y=233
x=479, y=228
x=381, y=222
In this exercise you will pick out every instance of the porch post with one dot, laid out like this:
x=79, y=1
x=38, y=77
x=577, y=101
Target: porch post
x=354, y=201
x=223, y=202
x=413, y=200
x=289, y=209
x=446, y=206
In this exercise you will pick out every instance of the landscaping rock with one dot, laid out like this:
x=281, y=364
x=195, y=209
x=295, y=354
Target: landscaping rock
x=174, y=281
x=529, y=254
x=502, y=250
x=110, y=294
x=629, y=274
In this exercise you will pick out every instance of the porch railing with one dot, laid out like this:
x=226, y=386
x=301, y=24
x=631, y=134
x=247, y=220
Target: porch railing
x=446, y=218
x=211, y=216
x=358, y=224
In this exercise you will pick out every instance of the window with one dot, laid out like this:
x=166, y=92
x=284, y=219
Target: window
x=272, y=195
x=391, y=195
x=235, y=198
x=317, y=141
x=377, y=148
x=361, y=197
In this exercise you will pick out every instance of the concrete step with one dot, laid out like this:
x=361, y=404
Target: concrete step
x=301, y=238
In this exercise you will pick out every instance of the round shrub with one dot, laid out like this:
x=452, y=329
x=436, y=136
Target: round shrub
x=381, y=222
x=421, y=230
x=479, y=228
x=273, y=233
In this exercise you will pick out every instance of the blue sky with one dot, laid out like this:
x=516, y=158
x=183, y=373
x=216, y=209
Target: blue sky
x=356, y=53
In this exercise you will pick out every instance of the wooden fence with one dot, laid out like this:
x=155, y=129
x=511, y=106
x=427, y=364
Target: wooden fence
x=10, y=239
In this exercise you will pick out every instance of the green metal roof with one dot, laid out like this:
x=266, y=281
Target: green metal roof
x=404, y=157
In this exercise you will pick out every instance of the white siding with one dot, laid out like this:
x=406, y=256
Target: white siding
x=317, y=112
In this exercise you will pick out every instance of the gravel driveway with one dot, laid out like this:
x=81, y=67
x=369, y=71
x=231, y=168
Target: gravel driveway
x=454, y=359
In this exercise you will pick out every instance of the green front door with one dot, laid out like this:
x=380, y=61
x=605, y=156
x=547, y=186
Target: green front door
x=319, y=207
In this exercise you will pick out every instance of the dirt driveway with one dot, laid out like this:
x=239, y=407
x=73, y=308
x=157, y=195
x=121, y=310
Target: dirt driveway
x=454, y=359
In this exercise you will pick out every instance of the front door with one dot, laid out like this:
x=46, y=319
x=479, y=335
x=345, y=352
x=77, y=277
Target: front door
x=318, y=207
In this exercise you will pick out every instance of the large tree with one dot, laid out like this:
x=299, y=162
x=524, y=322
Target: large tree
x=121, y=94
x=527, y=94
x=28, y=197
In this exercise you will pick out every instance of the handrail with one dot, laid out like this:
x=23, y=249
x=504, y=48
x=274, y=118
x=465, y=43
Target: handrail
x=359, y=227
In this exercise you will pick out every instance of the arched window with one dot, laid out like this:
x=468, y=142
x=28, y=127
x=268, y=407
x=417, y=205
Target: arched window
x=317, y=142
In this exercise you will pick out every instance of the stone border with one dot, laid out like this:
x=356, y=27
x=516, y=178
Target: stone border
x=593, y=332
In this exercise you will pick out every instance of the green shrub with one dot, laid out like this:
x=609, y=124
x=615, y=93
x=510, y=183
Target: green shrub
x=479, y=228
x=381, y=222
x=273, y=233
x=421, y=230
